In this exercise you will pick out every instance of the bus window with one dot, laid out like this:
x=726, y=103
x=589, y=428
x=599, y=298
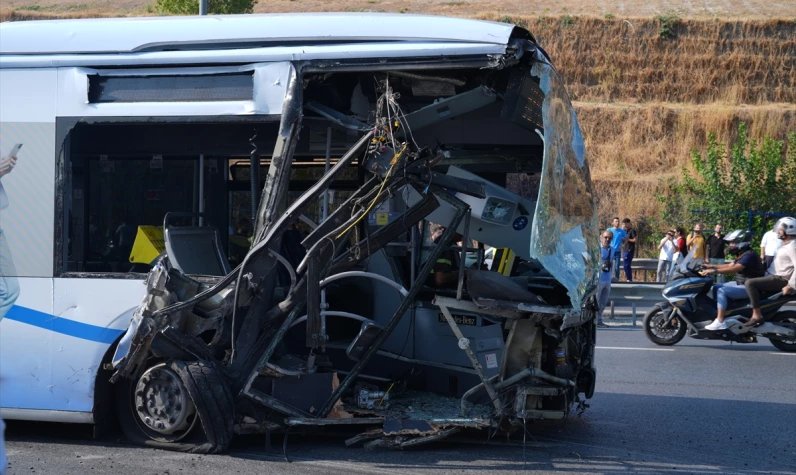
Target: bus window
x=123, y=176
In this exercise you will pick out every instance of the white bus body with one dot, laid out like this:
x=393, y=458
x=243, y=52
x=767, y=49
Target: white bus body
x=58, y=78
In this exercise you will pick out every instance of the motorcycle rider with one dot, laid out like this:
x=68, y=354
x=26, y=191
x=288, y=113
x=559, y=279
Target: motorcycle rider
x=784, y=277
x=747, y=265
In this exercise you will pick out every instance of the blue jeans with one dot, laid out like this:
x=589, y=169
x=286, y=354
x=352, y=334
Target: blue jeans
x=617, y=267
x=628, y=258
x=9, y=285
x=603, y=292
x=730, y=290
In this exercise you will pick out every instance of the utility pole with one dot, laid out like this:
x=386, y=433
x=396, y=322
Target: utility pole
x=203, y=7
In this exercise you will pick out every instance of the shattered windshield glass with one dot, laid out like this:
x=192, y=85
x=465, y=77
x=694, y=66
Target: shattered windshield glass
x=565, y=228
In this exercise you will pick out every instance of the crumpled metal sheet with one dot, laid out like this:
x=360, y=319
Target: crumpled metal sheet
x=564, y=236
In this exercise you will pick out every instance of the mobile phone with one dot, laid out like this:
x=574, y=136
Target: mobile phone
x=14, y=150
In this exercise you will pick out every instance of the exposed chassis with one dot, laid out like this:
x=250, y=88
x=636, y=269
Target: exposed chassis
x=232, y=377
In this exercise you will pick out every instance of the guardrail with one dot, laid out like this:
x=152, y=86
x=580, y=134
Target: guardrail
x=635, y=293
x=648, y=266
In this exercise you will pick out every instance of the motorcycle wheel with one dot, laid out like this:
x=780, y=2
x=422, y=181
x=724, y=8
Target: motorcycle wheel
x=785, y=319
x=660, y=329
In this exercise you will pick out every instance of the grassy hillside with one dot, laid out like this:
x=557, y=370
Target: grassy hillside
x=705, y=9
x=648, y=86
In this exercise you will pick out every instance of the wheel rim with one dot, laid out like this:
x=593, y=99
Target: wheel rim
x=789, y=323
x=663, y=326
x=162, y=406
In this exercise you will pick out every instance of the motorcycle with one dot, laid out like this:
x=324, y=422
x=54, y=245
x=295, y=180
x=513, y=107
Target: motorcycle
x=691, y=306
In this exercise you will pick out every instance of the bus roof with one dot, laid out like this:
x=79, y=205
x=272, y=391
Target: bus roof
x=155, y=34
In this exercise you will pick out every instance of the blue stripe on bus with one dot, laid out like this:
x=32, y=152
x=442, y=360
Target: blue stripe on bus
x=64, y=326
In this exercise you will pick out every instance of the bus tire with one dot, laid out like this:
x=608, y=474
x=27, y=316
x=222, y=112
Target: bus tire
x=210, y=432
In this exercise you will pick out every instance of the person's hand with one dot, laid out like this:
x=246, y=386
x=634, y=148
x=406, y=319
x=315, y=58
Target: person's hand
x=7, y=164
x=787, y=290
x=707, y=260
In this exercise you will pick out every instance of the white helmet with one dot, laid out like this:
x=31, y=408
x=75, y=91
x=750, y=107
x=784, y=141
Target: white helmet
x=788, y=225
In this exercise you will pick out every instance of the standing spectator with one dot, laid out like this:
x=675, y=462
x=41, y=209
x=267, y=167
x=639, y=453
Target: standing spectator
x=667, y=247
x=630, y=248
x=698, y=242
x=680, y=248
x=606, y=262
x=716, y=250
x=769, y=246
x=618, y=240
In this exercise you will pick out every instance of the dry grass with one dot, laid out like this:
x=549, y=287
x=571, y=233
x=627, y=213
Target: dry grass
x=704, y=9
x=627, y=60
x=635, y=149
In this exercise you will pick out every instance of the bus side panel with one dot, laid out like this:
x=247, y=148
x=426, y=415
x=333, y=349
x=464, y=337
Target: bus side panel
x=49, y=359
x=27, y=192
x=26, y=348
x=95, y=312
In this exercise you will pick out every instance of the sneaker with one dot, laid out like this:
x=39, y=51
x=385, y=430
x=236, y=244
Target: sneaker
x=716, y=325
x=601, y=324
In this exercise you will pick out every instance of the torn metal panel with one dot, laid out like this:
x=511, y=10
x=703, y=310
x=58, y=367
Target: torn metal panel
x=275, y=191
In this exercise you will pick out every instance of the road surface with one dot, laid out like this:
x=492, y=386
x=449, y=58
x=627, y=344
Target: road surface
x=698, y=407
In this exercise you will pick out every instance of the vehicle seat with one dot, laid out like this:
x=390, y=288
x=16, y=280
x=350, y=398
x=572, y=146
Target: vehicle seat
x=196, y=250
x=763, y=296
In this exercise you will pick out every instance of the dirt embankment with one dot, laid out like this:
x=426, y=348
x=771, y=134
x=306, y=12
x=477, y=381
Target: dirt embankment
x=647, y=90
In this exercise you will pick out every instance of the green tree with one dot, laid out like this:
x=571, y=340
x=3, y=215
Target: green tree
x=214, y=7
x=722, y=187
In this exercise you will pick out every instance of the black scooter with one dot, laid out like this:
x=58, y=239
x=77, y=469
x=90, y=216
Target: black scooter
x=691, y=306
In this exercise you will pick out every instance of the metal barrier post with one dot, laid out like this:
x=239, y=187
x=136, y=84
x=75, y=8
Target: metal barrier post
x=612, y=309
x=634, y=314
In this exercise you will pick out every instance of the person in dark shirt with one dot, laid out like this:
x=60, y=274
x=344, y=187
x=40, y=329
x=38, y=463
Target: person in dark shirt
x=716, y=250
x=630, y=248
x=747, y=265
x=445, y=274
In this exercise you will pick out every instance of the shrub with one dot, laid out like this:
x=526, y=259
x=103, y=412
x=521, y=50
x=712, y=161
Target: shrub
x=667, y=26
x=214, y=7
x=757, y=177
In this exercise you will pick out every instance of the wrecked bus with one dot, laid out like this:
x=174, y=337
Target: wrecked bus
x=250, y=224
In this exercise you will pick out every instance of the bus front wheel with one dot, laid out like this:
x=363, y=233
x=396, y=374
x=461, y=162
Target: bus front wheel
x=177, y=405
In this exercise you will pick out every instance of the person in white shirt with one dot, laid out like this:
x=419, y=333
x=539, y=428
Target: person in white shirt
x=769, y=246
x=667, y=248
x=784, y=277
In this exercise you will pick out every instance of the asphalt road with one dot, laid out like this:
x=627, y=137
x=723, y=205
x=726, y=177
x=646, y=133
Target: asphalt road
x=698, y=407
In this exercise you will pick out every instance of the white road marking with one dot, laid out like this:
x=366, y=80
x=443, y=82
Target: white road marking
x=783, y=353
x=627, y=348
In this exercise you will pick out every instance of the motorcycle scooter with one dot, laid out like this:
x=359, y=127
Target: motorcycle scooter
x=691, y=306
